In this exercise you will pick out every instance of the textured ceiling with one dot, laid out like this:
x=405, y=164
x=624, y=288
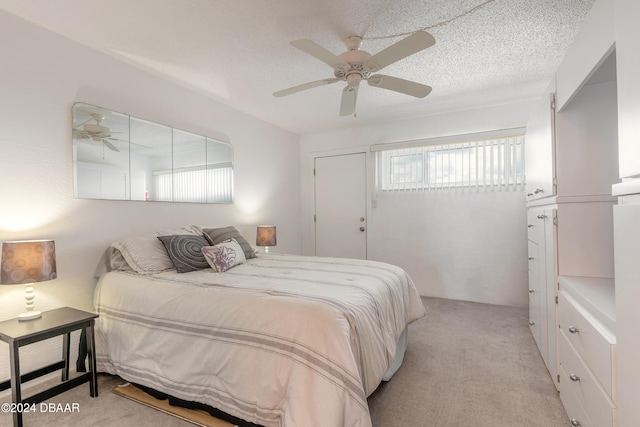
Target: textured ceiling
x=238, y=52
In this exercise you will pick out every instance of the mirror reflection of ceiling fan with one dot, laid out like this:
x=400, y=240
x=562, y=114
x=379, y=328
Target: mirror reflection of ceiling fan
x=96, y=132
x=356, y=65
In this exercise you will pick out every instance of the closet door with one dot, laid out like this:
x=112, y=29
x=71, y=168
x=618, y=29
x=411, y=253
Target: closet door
x=551, y=292
x=537, y=286
x=540, y=150
x=543, y=287
x=341, y=206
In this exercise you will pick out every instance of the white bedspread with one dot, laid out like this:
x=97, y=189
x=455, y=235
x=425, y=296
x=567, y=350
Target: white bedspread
x=278, y=341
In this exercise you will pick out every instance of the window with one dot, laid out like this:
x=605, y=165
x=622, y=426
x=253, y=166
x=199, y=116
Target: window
x=483, y=164
x=406, y=168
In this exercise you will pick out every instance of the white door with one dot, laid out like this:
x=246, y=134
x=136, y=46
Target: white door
x=341, y=221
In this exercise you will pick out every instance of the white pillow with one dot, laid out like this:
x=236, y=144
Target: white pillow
x=146, y=254
x=225, y=255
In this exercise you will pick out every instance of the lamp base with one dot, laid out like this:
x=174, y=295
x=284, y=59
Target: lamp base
x=30, y=315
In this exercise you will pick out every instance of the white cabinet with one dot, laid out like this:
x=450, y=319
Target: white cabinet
x=587, y=350
x=571, y=163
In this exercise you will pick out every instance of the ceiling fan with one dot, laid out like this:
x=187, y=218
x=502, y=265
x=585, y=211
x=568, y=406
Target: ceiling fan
x=96, y=132
x=356, y=65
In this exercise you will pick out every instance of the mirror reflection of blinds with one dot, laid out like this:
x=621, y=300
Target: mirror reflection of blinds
x=199, y=184
x=495, y=164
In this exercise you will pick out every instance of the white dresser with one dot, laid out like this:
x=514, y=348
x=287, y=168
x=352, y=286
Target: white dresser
x=587, y=350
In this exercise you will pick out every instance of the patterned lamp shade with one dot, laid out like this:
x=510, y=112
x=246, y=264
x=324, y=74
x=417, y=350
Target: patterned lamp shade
x=266, y=236
x=28, y=262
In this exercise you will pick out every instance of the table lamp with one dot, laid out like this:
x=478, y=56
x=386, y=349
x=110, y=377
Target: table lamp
x=266, y=236
x=27, y=262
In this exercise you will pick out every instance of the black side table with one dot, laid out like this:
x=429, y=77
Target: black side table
x=61, y=321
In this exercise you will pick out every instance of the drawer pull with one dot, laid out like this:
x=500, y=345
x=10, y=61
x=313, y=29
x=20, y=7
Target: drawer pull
x=541, y=216
x=538, y=190
x=573, y=329
x=574, y=377
x=532, y=323
x=529, y=194
x=531, y=291
x=529, y=225
x=530, y=258
x=575, y=422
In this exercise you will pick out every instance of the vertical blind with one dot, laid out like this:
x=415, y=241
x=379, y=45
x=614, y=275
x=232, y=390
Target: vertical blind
x=203, y=184
x=492, y=164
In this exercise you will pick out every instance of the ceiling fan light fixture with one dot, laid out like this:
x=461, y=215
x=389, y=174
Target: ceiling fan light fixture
x=354, y=79
x=353, y=42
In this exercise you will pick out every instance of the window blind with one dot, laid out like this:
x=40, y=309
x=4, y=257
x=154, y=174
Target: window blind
x=202, y=184
x=493, y=164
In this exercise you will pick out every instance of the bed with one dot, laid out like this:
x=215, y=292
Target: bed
x=277, y=340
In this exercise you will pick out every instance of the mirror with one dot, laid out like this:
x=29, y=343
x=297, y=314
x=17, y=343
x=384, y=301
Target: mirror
x=120, y=157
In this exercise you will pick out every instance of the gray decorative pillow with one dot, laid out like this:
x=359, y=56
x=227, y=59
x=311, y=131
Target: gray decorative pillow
x=185, y=251
x=219, y=235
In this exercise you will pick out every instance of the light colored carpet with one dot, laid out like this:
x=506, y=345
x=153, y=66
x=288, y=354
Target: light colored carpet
x=467, y=364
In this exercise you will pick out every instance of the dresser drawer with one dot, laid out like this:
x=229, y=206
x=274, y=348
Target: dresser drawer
x=589, y=339
x=571, y=402
x=595, y=401
x=535, y=225
x=534, y=259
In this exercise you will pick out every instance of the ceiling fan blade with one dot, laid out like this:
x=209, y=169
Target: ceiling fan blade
x=81, y=134
x=305, y=86
x=416, y=42
x=399, y=85
x=320, y=53
x=348, y=102
x=77, y=126
x=132, y=143
x=109, y=145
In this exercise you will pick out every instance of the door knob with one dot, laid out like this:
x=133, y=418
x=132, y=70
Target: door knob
x=361, y=228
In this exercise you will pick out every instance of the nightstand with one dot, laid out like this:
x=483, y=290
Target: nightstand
x=53, y=323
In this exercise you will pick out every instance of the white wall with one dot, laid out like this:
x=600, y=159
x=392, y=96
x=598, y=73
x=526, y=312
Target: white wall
x=454, y=245
x=41, y=76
